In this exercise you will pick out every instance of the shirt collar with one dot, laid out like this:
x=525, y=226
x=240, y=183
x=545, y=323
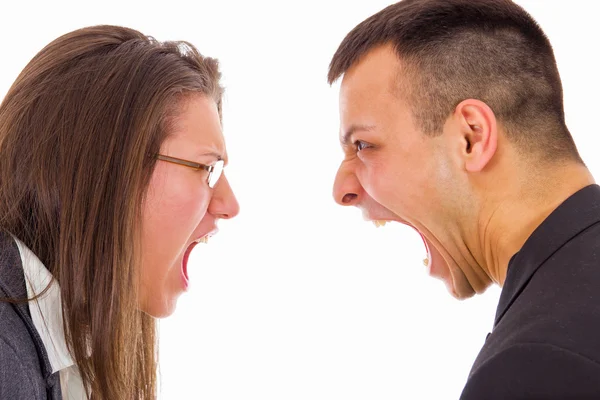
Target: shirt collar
x=574, y=215
x=46, y=311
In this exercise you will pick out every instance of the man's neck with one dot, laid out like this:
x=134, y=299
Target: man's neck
x=506, y=223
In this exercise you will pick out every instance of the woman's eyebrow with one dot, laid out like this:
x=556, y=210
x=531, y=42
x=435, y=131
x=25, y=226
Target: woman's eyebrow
x=214, y=154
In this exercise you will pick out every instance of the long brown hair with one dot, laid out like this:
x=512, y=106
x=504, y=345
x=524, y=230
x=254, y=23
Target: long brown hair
x=78, y=131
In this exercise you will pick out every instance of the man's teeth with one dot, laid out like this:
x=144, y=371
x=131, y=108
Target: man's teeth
x=426, y=261
x=379, y=222
x=203, y=239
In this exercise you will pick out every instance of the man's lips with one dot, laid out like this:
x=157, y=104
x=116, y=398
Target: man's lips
x=434, y=262
x=381, y=222
x=426, y=261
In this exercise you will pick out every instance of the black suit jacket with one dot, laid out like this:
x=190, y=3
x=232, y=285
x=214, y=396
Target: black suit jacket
x=545, y=343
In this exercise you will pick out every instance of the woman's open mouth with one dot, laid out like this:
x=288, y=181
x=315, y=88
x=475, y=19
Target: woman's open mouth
x=184, y=263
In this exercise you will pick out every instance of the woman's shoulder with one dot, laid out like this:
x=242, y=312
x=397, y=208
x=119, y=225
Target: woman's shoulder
x=20, y=367
x=21, y=375
x=14, y=309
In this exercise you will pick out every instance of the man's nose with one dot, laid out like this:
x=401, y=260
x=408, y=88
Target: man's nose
x=346, y=187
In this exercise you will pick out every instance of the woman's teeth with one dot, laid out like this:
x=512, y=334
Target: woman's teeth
x=426, y=261
x=203, y=239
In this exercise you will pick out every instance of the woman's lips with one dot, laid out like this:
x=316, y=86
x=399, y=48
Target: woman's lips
x=184, y=263
x=188, y=251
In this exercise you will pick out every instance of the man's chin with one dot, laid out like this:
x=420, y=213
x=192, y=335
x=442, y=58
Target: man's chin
x=461, y=295
x=459, y=292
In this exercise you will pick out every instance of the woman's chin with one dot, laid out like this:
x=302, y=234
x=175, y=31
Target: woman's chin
x=160, y=309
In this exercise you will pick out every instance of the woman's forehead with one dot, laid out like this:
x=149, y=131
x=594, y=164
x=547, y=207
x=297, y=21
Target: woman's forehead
x=197, y=126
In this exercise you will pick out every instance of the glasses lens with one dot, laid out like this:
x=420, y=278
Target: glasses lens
x=214, y=176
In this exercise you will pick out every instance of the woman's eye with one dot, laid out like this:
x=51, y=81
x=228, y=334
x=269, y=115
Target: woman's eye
x=360, y=145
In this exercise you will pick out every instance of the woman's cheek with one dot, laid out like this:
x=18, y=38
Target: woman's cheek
x=191, y=207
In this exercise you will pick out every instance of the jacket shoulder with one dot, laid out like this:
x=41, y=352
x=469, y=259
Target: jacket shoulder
x=534, y=371
x=20, y=372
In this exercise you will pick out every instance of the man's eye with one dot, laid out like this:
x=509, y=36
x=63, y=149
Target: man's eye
x=360, y=145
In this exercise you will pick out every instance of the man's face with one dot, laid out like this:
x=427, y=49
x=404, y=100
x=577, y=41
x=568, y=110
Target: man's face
x=391, y=170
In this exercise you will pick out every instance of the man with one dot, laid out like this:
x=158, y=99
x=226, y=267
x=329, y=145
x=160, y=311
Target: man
x=452, y=122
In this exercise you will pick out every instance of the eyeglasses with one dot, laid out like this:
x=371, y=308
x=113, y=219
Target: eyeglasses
x=214, y=171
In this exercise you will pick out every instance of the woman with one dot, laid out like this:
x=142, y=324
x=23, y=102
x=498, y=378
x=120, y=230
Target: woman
x=111, y=159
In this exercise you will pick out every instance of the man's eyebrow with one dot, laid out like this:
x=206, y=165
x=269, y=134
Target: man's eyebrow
x=353, y=129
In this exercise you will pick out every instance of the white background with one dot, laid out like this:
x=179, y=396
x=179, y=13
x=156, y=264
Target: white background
x=299, y=298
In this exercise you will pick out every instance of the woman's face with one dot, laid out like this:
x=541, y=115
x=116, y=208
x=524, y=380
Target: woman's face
x=180, y=207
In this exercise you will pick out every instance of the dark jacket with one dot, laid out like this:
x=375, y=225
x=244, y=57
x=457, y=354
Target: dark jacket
x=25, y=371
x=545, y=343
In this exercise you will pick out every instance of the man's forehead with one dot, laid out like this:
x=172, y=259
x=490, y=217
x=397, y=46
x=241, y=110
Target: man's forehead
x=379, y=67
x=367, y=88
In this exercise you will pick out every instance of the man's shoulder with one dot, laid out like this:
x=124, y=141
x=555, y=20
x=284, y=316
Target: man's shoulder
x=560, y=303
x=564, y=315
x=548, y=337
x=534, y=371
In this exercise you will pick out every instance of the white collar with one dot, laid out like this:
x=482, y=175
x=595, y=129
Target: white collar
x=46, y=311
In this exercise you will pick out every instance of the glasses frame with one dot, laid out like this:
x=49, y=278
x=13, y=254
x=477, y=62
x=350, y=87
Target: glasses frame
x=217, y=166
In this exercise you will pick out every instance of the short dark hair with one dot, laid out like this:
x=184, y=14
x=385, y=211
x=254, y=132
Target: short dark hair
x=452, y=50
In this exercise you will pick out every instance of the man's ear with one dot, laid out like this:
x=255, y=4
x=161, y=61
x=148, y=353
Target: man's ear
x=477, y=124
